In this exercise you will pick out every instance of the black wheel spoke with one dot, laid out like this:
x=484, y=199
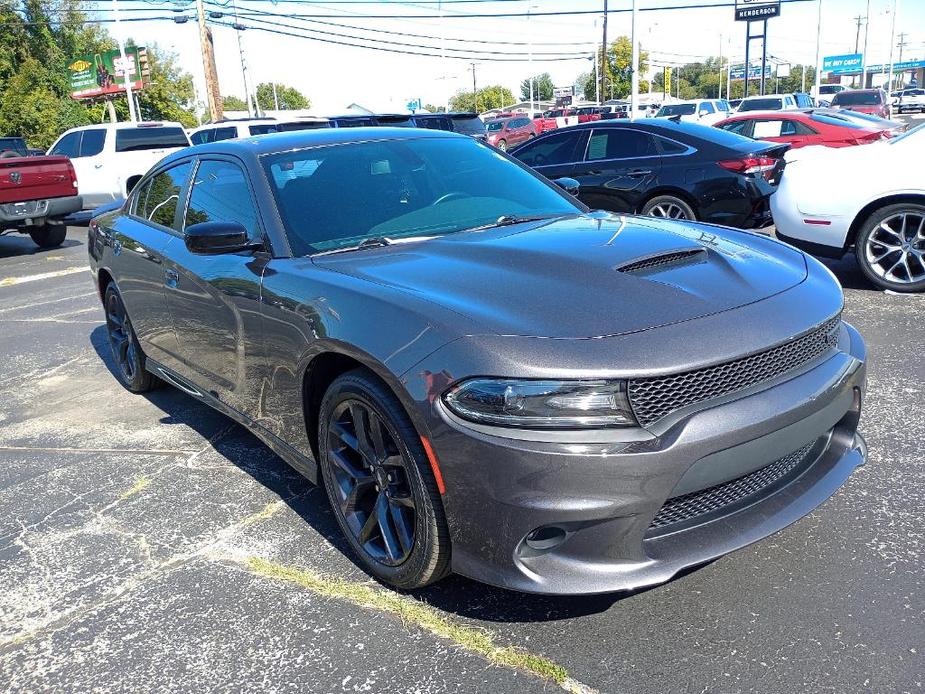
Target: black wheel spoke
x=342, y=463
x=360, y=416
x=340, y=432
x=402, y=500
x=389, y=537
x=360, y=486
x=404, y=533
x=372, y=522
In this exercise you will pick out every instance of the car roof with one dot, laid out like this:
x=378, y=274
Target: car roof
x=766, y=96
x=127, y=125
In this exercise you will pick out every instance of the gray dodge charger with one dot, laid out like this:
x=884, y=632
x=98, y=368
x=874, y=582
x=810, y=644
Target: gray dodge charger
x=486, y=376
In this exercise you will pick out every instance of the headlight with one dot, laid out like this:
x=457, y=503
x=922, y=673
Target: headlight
x=542, y=404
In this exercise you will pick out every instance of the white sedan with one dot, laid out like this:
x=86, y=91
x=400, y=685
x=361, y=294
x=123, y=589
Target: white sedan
x=871, y=198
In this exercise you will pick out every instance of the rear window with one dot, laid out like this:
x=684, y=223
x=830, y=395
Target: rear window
x=354, y=122
x=830, y=88
x=134, y=139
x=469, y=126
x=16, y=144
x=494, y=126
x=761, y=105
x=857, y=99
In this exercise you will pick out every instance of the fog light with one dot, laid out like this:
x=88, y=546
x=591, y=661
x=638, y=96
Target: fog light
x=545, y=538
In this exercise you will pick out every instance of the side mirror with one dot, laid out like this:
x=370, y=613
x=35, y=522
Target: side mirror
x=569, y=185
x=213, y=238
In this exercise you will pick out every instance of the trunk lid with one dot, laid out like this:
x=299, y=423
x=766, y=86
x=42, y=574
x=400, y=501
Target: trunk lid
x=36, y=178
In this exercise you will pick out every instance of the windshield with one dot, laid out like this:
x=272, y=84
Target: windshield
x=830, y=89
x=337, y=196
x=469, y=125
x=760, y=105
x=494, y=125
x=15, y=144
x=677, y=110
x=133, y=139
x=857, y=99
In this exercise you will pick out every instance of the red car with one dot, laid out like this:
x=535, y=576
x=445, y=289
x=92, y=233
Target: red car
x=588, y=113
x=505, y=133
x=872, y=101
x=550, y=120
x=829, y=127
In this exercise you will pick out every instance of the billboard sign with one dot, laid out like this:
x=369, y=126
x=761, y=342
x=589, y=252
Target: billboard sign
x=737, y=72
x=756, y=10
x=850, y=62
x=102, y=74
x=563, y=95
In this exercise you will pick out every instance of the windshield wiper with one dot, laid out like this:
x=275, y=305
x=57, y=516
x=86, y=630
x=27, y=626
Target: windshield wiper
x=507, y=220
x=374, y=242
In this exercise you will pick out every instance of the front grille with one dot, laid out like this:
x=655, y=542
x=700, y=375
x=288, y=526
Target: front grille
x=663, y=259
x=708, y=501
x=656, y=397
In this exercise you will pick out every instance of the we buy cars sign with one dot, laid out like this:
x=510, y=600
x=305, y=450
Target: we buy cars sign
x=753, y=10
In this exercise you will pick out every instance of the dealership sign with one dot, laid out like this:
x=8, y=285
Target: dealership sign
x=737, y=72
x=101, y=74
x=756, y=10
x=850, y=62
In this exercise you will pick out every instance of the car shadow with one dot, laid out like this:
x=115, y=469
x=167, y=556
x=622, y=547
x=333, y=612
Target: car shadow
x=15, y=244
x=455, y=594
x=849, y=274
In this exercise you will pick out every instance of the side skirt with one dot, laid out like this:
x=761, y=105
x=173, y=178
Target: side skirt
x=305, y=466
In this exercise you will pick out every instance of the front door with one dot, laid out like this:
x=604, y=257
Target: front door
x=620, y=166
x=214, y=300
x=554, y=156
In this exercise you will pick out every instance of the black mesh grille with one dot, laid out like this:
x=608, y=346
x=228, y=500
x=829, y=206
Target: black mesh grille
x=664, y=259
x=706, y=501
x=653, y=398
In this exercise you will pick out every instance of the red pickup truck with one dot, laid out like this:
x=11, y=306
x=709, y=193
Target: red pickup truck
x=35, y=193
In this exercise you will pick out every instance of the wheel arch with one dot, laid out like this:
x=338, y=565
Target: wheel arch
x=873, y=206
x=103, y=278
x=674, y=192
x=332, y=359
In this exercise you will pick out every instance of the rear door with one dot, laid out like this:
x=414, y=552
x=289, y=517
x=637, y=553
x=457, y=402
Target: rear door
x=785, y=130
x=620, y=165
x=85, y=149
x=555, y=155
x=214, y=300
x=138, y=149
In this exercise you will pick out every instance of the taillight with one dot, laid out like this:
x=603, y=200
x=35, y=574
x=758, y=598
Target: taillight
x=72, y=173
x=750, y=165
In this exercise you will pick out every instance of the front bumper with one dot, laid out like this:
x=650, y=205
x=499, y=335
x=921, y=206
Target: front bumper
x=602, y=497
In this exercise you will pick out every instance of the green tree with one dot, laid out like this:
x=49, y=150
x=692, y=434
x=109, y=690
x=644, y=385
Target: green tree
x=289, y=98
x=542, y=88
x=233, y=103
x=484, y=99
x=170, y=94
x=430, y=108
x=618, y=69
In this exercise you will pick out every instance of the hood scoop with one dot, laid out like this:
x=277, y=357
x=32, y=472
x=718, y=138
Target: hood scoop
x=684, y=256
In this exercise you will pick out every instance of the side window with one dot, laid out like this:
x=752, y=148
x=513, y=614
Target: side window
x=560, y=148
x=670, y=146
x=261, y=129
x=620, y=143
x=67, y=146
x=707, y=106
x=157, y=201
x=788, y=128
x=201, y=137
x=220, y=194
x=92, y=142
x=228, y=133
x=768, y=128
x=802, y=128
x=739, y=127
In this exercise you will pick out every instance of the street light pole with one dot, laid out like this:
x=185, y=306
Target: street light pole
x=634, y=80
x=530, y=57
x=864, y=54
x=818, y=49
x=889, y=82
x=719, y=86
x=125, y=66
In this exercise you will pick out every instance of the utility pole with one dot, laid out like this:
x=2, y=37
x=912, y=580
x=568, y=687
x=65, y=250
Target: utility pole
x=530, y=34
x=634, y=78
x=902, y=44
x=475, y=93
x=126, y=78
x=604, y=55
x=864, y=54
x=213, y=93
x=857, y=39
x=719, y=85
x=818, y=48
x=889, y=83
x=275, y=98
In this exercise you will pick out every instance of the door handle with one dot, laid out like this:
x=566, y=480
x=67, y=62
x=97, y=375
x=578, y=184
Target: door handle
x=594, y=172
x=97, y=166
x=171, y=277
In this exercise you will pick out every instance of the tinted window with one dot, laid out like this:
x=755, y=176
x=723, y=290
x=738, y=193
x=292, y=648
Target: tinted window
x=220, y=194
x=677, y=110
x=302, y=125
x=134, y=139
x=434, y=123
x=722, y=105
x=830, y=88
x=157, y=200
x=850, y=98
x=620, y=143
x=202, y=136
x=67, y=146
x=553, y=149
x=494, y=126
x=740, y=127
x=770, y=104
x=15, y=144
x=262, y=129
x=398, y=188
x=708, y=107
x=670, y=146
x=228, y=133
x=523, y=122
x=469, y=125
x=354, y=122
x=92, y=141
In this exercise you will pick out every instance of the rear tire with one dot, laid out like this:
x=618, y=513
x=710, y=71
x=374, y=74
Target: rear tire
x=890, y=247
x=49, y=235
x=126, y=352
x=668, y=207
x=379, y=483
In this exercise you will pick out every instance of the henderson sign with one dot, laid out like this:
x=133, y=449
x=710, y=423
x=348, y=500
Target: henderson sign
x=756, y=10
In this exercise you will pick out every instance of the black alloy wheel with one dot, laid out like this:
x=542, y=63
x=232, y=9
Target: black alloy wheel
x=124, y=345
x=379, y=483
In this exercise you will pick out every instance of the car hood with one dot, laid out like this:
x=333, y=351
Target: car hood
x=583, y=276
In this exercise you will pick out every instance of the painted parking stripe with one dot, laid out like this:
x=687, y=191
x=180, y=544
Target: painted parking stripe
x=10, y=281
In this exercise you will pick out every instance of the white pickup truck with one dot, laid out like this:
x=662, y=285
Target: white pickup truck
x=111, y=158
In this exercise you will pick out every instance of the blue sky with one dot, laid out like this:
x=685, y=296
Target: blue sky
x=334, y=76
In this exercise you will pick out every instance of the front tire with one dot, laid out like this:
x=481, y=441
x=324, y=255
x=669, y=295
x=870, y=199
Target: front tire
x=668, y=207
x=49, y=235
x=890, y=247
x=379, y=483
x=126, y=352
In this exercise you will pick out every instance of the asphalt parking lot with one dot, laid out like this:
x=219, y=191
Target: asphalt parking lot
x=149, y=544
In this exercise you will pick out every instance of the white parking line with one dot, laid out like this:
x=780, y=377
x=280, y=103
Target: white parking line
x=10, y=281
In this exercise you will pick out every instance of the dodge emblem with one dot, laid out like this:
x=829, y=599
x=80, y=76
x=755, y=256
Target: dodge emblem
x=15, y=177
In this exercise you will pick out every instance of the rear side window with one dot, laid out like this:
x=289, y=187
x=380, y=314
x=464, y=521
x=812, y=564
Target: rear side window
x=92, y=142
x=157, y=200
x=620, y=143
x=559, y=148
x=220, y=193
x=708, y=107
x=202, y=136
x=227, y=133
x=67, y=146
x=739, y=127
x=135, y=139
x=262, y=129
x=302, y=125
x=670, y=146
x=469, y=126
